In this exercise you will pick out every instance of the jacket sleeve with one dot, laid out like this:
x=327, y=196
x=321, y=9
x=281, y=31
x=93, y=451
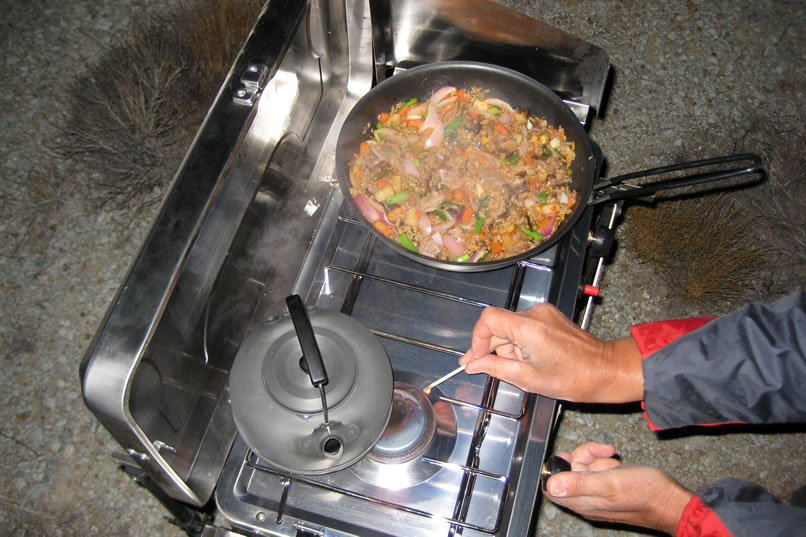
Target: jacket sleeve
x=745, y=367
x=736, y=508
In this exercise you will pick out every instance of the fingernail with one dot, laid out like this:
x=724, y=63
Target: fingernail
x=558, y=488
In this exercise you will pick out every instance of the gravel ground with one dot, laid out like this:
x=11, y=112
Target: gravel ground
x=686, y=75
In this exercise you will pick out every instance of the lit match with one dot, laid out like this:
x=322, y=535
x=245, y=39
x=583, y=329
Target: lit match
x=440, y=380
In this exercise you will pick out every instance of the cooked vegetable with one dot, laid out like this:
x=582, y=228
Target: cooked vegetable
x=462, y=176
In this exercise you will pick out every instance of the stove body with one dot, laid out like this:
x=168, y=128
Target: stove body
x=255, y=214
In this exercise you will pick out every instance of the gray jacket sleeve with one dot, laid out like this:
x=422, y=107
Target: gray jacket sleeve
x=748, y=510
x=748, y=366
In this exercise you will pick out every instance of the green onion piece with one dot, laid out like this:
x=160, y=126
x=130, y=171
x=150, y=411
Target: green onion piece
x=546, y=150
x=410, y=101
x=494, y=110
x=534, y=235
x=405, y=241
x=378, y=126
x=450, y=127
x=483, y=258
x=479, y=224
x=439, y=214
x=398, y=197
x=512, y=159
x=484, y=202
x=445, y=203
x=543, y=196
x=464, y=258
x=416, y=162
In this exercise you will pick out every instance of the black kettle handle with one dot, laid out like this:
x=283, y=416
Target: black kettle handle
x=307, y=340
x=616, y=188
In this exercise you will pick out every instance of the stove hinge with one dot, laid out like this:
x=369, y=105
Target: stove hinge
x=253, y=80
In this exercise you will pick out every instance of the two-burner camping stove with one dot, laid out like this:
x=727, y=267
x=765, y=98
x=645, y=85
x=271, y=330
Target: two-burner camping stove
x=255, y=214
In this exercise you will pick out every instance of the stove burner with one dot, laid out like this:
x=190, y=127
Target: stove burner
x=421, y=429
x=411, y=427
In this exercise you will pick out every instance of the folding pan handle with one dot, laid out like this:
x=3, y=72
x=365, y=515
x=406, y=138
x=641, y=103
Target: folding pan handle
x=307, y=340
x=617, y=188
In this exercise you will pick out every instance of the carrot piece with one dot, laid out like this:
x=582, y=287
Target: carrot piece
x=414, y=122
x=383, y=117
x=380, y=183
x=403, y=112
x=364, y=148
x=544, y=222
x=496, y=247
x=449, y=195
x=458, y=195
x=462, y=96
x=500, y=127
x=383, y=228
x=396, y=214
x=467, y=216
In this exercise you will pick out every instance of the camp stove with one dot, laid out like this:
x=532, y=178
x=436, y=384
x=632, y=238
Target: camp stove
x=255, y=214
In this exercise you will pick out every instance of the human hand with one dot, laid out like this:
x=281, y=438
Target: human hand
x=541, y=351
x=599, y=487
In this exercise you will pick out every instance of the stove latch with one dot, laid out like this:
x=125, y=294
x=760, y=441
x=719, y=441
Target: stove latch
x=252, y=81
x=306, y=531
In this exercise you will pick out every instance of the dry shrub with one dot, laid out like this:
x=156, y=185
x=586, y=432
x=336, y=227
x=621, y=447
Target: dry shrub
x=703, y=246
x=35, y=207
x=781, y=202
x=213, y=32
x=127, y=118
x=131, y=119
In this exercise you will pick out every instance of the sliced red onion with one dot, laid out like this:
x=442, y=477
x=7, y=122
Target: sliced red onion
x=478, y=255
x=453, y=245
x=499, y=103
x=438, y=239
x=440, y=94
x=382, y=217
x=432, y=120
x=366, y=209
x=548, y=228
x=410, y=168
x=424, y=223
x=435, y=138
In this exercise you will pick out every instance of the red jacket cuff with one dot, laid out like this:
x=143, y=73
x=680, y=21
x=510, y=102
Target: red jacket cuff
x=655, y=335
x=698, y=520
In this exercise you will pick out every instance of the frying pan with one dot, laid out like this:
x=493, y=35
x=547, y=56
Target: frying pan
x=524, y=93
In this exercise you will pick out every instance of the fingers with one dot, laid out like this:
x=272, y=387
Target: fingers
x=589, y=451
x=512, y=371
x=491, y=330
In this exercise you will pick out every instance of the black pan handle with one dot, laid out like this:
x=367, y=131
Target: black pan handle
x=617, y=188
x=307, y=340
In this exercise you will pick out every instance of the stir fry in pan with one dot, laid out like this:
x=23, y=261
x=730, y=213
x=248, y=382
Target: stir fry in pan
x=463, y=177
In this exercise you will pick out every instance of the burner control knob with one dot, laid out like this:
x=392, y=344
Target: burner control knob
x=601, y=241
x=553, y=465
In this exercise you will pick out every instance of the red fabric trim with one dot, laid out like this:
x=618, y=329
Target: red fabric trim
x=698, y=520
x=655, y=335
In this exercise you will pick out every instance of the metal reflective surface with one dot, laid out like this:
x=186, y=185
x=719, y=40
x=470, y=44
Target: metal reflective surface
x=255, y=213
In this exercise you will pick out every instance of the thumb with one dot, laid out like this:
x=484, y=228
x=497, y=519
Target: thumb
x=570, y=484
